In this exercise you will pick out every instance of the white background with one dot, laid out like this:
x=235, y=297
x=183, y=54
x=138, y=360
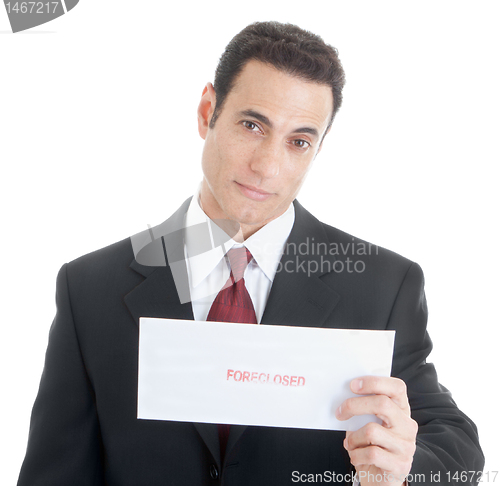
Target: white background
x=98, y=138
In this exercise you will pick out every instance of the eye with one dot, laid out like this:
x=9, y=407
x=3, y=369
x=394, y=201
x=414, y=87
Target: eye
x=250, y=125
x=301, y=144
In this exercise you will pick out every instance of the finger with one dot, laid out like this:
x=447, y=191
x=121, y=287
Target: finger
x=378, y=457
x=382, y=385
x=396, y=441
x=368, y=435
x=380, y=405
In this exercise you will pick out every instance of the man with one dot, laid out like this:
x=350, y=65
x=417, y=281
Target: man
x=276, y=91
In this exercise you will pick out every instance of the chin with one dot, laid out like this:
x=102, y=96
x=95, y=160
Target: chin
x=253, y=219
x=248, y=212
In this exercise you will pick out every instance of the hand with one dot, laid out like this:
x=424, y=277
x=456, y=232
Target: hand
x=381, y=454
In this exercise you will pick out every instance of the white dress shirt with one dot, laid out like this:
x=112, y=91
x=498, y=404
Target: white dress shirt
x=209, y=271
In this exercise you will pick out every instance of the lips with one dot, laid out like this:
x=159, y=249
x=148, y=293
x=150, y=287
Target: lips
x=253, y=192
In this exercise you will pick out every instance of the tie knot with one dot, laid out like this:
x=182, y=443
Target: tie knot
x=239, y=258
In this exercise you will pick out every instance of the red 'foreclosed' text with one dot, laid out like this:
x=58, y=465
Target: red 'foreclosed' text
x=256, y=377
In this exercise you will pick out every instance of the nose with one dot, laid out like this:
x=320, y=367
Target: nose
x=267, y=159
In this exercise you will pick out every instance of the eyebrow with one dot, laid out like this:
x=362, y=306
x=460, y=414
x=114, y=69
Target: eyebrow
x=258, y=116
x=263, y=119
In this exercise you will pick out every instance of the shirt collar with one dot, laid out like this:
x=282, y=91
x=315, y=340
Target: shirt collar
x=265, y=245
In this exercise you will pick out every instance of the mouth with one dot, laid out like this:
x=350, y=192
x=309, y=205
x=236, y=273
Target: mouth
x=253, y=192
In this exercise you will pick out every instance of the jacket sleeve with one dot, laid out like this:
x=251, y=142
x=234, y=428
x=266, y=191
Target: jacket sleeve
x=64, y=445
x=447, y=440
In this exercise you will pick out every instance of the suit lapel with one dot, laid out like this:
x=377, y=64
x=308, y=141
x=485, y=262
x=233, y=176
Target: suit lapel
x=157, y=295
x=298, y=295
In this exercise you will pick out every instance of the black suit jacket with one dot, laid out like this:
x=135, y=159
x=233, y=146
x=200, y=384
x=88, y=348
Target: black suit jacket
x=84, y=429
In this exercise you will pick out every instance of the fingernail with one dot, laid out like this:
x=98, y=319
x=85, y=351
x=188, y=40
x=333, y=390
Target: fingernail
x=339, y=411
x=357, y=385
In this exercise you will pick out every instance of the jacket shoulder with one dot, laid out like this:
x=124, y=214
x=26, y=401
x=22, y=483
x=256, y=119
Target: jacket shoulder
x=341, y=245
x=339, y=236
x=114, y=254
x=374, y=259
x=101, y=267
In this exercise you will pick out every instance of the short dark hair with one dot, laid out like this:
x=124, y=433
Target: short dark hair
x=286, y=47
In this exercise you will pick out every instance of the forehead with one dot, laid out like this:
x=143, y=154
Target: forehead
x=283, y=98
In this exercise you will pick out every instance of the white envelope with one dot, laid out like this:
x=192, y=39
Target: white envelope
x=280, y=376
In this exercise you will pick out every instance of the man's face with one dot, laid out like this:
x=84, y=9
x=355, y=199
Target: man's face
x=257, y=155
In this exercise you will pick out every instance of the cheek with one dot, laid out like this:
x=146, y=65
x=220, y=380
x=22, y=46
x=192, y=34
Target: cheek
x=232, y=151
x=214, y=160
x=207, y=165
x=296, y=177
x=229, y=161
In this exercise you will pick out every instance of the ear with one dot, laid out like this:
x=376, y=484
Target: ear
x=206, y=109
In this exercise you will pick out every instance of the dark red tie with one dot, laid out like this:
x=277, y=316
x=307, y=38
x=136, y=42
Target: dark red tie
x=233, y=304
